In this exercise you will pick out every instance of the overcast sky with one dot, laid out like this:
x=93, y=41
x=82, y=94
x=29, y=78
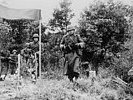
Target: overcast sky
x=47, y=6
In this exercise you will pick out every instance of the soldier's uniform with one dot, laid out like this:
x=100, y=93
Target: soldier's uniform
x=26, y=55
x=4, y=64
x=26, y=52
x=34, y=46
x=13, y=62
x=71, y=44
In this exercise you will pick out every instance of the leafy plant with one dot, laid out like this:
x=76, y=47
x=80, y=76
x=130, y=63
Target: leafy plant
x=62, y=16
x=105, y=30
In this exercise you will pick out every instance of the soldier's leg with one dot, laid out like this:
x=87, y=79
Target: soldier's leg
x=38, y=71
x=76, y=68
x=76, y=65
x=14, y=68
x=38, y=67
x=11, y=69
x=68, y=63
x=6, y=65
x=1, y=70
x=65, y=67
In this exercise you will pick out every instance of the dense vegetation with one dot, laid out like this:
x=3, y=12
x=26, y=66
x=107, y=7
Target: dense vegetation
x=105, y=27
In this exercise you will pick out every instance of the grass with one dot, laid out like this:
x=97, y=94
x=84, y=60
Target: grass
x=57, y=87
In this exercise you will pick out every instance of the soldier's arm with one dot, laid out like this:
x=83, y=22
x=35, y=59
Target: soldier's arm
x=2, y=57
x=80, y=41
x=62, y=43
x=22, y=52
x=30, y=45
x=42, y=47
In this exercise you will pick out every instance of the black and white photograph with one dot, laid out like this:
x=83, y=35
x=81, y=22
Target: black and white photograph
x=66, y=49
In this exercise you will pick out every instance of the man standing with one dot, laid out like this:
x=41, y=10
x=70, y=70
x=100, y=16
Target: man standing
x=71, y=44
x=34, y=46
x=13, y=61
x=4, y=64
x=26, y=53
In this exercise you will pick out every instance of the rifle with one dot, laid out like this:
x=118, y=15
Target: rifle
x=70, y=48
x=5, y=59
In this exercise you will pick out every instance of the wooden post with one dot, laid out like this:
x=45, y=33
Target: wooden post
x=40, y=49
x=18, y=76
x=0, y=64
x=0, y=59
x=36, y=65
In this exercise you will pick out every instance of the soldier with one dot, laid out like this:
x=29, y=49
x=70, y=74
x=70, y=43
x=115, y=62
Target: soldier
x=35, y=48
x=26, y=52
x=71, y=44
x=4, y=64
x=13, y=61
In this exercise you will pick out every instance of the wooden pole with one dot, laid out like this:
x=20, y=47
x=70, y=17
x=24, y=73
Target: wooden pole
x=18, y=76
x=0, y=59
x=36, y=65
x=40, y=48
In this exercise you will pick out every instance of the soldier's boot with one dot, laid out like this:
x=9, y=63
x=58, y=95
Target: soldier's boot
x=33, y=76
x=76, y=75
x=65, y=71
x=70, y=78
x=1, y=79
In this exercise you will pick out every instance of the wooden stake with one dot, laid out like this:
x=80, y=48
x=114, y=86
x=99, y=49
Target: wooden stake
x=40, y=49
x=18, y=74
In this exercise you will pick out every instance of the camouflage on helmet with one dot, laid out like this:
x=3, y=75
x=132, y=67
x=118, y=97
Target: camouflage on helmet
x=35, y=36
x=14, y=50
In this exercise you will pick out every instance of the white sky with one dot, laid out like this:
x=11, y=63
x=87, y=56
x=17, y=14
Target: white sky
x=47, y=6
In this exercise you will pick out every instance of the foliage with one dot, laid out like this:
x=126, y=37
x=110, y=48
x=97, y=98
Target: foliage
x=4, y=35
x=17, y=35
x=17, y=30
x=22, y=31
x=61, y=19
x=62, y=15
x=105, y=29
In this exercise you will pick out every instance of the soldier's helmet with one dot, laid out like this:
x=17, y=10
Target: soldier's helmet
x=14, y=51
x=35, y=36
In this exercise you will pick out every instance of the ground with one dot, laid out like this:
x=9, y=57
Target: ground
x=61, y=89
